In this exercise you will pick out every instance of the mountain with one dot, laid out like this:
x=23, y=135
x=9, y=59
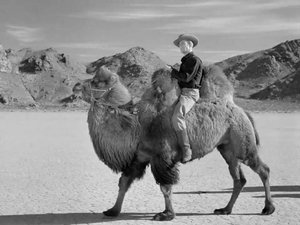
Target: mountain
x=253, y=72
x=12, y=90
x=16, y=57
x=44, y=76
x=286, y=88
x=47, y=77
x=48, y=60
x=134, y=66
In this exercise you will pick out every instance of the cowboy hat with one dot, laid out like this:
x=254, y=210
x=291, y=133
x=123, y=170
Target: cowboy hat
x=186, y=37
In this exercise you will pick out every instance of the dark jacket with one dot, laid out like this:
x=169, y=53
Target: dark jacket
x=190, y=72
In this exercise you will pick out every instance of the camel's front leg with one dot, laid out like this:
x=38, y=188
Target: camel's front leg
x=124, y=184
x=135, y=171
x=169, y=213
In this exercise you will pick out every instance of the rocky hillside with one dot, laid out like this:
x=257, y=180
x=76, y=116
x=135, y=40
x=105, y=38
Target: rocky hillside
x=38, y=77
x=49, y=76
x=46, y=77
x=134, y=66
x=286, y=88
x=13, y=91
x=252, y=73
x=16, y=57
x=48, y=60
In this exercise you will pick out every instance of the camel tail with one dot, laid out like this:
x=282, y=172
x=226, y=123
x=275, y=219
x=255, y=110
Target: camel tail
x=257, y=139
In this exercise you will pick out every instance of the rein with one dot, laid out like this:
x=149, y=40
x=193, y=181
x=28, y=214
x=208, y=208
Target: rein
x=114, y=108
x=98, y=100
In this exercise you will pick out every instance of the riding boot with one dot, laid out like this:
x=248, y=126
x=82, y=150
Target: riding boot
x=184, y=143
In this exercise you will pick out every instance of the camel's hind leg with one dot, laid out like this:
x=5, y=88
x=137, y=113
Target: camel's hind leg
x=263, y=171
x=237, y=175
x=135, y=171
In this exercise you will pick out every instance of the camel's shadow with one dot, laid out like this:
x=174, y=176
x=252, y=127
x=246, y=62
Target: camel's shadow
x=283, y=189
x=86, y=218
x=69, y=218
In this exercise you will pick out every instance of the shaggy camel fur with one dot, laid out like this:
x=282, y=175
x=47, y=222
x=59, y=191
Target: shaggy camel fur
x=128, y=143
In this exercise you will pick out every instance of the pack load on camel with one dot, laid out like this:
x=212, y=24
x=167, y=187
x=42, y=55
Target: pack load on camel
x=128, y=142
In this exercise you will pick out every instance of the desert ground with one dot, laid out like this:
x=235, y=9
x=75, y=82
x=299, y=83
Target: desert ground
x=50, y=175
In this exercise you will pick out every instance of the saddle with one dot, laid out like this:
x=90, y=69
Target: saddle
x=130, y=107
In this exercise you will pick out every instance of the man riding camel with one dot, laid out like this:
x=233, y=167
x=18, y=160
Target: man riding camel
x=189, y=78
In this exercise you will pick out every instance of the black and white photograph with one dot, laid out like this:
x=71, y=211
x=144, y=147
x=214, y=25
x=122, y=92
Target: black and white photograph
x=149, y=112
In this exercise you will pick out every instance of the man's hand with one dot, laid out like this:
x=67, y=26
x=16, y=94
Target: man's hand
x=173, y=70
x=169, y=67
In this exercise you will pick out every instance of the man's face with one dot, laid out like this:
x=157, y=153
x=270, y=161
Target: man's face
x=185, y=47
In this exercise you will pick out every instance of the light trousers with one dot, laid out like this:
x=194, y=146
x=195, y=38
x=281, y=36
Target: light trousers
x=187, y=100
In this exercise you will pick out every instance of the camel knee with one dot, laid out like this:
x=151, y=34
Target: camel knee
x=166, y=189
x=243, y=181
x=239, y=183
x=124, y=183
x=237, y=174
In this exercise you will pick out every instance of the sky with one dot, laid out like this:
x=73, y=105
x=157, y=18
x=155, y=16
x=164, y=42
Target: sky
x=90, y=29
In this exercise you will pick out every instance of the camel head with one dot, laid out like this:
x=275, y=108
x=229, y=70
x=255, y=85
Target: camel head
x=105, y=88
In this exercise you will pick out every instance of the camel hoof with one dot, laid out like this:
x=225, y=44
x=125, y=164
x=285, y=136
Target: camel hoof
x=111, y=212
x=222, y=211
x=268, y=210
x=164, y=216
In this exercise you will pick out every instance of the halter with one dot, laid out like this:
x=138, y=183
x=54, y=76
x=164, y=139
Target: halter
x=98, y=100
x=114, y=109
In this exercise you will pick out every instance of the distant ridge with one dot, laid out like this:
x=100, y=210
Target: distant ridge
x=286, y=88
x=46, y=76
x=256, y=71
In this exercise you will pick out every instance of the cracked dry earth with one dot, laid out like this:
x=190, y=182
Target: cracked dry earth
x=50, y=175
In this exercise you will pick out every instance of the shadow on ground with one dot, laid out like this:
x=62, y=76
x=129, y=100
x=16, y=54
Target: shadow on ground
x=69, y=218
x=283, y=188
x=86, y=218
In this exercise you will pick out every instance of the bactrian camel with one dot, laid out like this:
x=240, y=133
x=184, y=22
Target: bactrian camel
x=128, y=142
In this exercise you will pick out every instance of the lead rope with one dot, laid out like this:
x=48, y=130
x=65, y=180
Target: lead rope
x=93, y=100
